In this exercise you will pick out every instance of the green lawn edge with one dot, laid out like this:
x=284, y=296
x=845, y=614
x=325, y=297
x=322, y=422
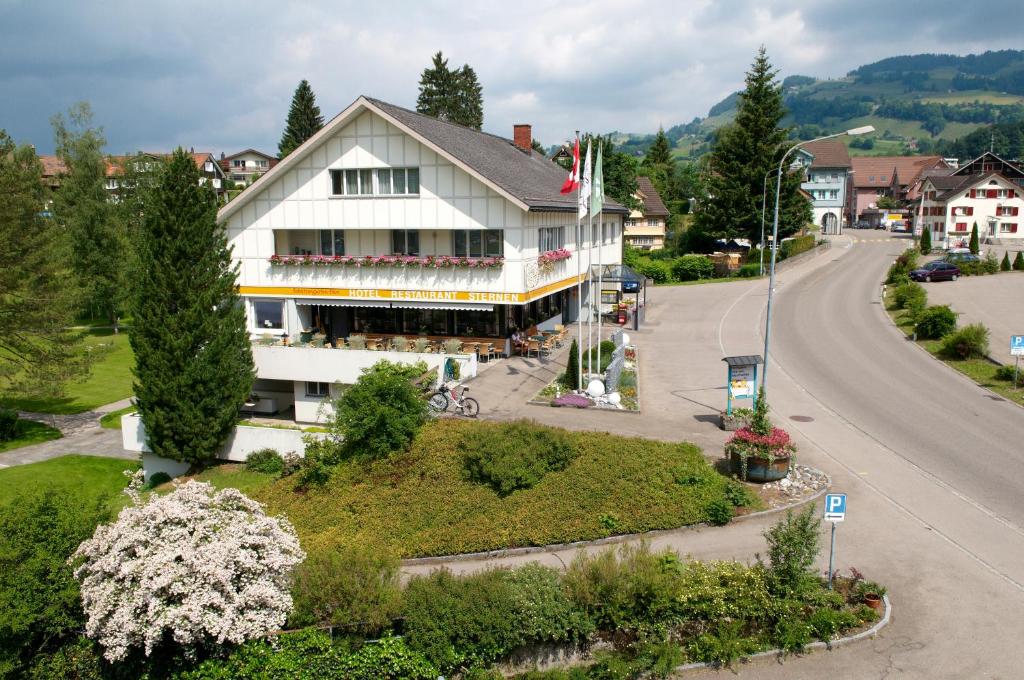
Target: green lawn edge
x=85, y=476
x=30, y=432
x=981, y=371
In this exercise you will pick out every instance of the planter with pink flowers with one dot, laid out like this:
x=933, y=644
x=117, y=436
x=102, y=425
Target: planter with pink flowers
x=760, y=452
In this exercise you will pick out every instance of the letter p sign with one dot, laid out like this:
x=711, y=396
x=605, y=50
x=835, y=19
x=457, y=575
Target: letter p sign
x=835, y=507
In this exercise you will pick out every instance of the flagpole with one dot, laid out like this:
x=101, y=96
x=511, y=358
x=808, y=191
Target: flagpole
x=579, y=281
x=590, y=296
x=600, y=278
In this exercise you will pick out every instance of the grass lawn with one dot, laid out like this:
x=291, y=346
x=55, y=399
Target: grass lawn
x=30, y=432
x=981, y=371
x=88, y=476
x=421, y=502
x=112, y=420
x=109, y=379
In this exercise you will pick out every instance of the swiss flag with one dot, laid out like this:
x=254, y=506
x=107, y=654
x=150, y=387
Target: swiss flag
x=573, y=182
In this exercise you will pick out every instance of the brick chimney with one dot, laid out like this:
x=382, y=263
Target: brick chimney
x=522, y=135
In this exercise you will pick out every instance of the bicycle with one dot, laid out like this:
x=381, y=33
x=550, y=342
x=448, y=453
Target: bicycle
x=444, y=397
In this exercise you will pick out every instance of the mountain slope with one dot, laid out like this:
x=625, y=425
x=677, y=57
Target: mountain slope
x=912, y=101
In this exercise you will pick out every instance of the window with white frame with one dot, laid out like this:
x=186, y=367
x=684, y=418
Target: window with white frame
x=268, y=315
x=405, y=242
x=551, y=238
x=238, y=163
x=376, y=182
x=261, y=163
x=478, y=243
x=332, y=241
x=1008, y=228
x=318, y=389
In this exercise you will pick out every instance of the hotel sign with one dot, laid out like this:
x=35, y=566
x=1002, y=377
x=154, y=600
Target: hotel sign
x=378, y=294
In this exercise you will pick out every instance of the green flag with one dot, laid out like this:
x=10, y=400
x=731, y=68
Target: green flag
x=597, y=185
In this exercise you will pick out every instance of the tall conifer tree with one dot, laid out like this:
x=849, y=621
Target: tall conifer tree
x=82, y=208
x=38, y=301
x=304, y=120
x=194, y=366
x=743, y=153
x=452, y=95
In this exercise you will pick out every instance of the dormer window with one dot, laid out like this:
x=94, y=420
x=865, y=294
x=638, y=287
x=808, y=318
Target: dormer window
x=376, y=182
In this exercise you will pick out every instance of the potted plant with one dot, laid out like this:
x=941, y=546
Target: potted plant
x=760, y=452
x=740, y=417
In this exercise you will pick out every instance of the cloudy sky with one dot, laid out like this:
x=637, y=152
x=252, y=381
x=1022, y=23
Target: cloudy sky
x=219, y=76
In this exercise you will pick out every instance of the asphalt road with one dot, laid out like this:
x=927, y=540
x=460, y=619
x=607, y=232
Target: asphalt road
x=932, y=464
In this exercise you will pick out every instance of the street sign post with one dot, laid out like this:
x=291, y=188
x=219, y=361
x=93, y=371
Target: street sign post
x=835, y=512
x=1016, y=350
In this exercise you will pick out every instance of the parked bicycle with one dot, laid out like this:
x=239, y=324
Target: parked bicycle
x=446, y=396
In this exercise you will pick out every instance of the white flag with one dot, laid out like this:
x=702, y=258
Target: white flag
x=584, y=191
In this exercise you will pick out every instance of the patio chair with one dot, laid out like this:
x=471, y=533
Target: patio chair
x=471, y=348
x=492, y=351
x=373, y=345
x=547, y=346
x=532, y=346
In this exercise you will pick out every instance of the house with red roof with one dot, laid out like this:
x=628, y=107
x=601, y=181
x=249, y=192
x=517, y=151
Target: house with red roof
x=827, y=166
x=875, y=176
x=645, y=226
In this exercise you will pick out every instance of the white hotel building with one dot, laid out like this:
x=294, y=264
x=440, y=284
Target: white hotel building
x=391, y=223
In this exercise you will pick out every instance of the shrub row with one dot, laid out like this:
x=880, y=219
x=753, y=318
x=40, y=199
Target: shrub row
x=938, y=322
x=684, y=268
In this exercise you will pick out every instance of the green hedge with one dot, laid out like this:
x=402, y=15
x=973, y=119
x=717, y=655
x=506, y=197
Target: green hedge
x=795, y=246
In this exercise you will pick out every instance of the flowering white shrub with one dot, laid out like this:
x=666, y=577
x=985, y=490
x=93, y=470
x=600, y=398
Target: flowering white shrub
x=196, y=565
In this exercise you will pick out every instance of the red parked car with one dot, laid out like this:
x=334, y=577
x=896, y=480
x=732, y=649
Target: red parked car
x=936, y=270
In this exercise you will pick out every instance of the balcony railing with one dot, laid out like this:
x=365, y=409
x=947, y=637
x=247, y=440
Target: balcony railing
x=403, y=261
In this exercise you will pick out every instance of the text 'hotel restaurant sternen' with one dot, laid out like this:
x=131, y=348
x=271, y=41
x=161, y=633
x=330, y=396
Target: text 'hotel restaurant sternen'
x=388, y=223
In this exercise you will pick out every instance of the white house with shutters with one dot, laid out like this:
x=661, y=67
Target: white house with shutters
x=390, y=224
x=952, y=205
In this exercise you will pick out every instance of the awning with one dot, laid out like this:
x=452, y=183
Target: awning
x=398, y=304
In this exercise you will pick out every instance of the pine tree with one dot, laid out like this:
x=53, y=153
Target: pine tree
x=571, y=379
x=926, y=241
x=974, y=245
x=38, y=298
x=451, y=95
x=194, y=365
x=1004, y=266
x=304, y=120
x=1018, y=262
x=660, y=152
x=82, y=208
x=742, y=154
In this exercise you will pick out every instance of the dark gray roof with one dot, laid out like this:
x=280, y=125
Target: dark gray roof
x=528, y=176
x=950, y=185
x=745, y=360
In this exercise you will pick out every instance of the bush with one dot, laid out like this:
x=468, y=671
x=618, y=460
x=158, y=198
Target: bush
x=1018, y=262
x=1006, y=373
x=267, y=461
x=969, y=342
x=40, y=605
x=720, y=512
x=909, y=295
x=692, y=268
x=156, y=479
x=351, y=587
x=795, y=246
x=990, y=264
x=1004, y=266
x=607, y=347
x=749, y=270
x=181, y=567
x=515, y=455
x=935, y=322
x=792, y=549
x=571, y=377
x=8, y=424
x=900, y=270
x=974, y=245
x=314, y=468
x=659, y=271
x=926, y=241
x=382, y=412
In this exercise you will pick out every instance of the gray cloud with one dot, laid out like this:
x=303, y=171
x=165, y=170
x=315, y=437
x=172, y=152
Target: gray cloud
x=220, y=77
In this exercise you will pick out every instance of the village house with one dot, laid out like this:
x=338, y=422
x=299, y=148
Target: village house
x=390, y=230
x=987, y=191
x=645, y=226
x=244, y=167
x=872, y=177
x=827, y=167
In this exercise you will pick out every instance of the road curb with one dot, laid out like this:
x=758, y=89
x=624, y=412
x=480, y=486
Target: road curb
x=609, y=540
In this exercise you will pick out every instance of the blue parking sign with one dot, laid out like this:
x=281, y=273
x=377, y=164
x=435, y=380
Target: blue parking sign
x=835, y=507
x=1016, y=345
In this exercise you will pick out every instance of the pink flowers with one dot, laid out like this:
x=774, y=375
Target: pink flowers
x=778, y=438
x=747, y=443
x=431, y=261
x=551, y=256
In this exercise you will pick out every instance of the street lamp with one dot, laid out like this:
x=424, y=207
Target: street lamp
x=764, y=195
x=775, y=238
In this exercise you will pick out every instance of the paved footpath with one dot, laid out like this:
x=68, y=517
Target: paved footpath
x=82, y=435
